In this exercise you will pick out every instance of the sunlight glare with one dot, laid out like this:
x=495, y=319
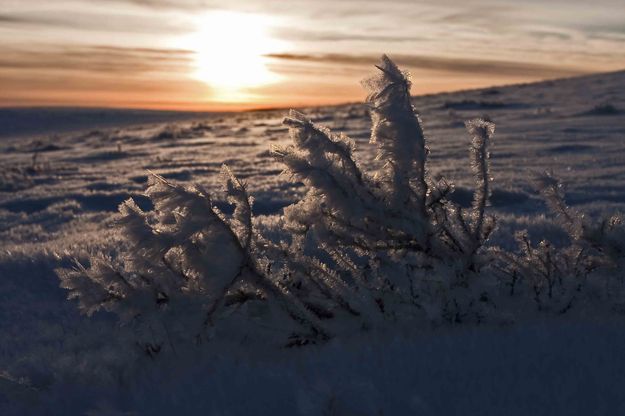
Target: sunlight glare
x=230, y=49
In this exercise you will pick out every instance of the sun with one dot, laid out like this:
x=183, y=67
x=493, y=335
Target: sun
x=230, y=51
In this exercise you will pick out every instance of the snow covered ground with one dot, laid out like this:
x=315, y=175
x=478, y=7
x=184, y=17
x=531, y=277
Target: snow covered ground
x=58, y=191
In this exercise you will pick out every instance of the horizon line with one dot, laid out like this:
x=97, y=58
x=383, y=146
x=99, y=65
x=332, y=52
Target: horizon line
x=230, y=107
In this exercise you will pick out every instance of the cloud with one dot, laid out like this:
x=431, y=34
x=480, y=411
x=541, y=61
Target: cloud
x=5, y=18
x=462, y=65
x=105, y=60
x=171, y=4
x=297, y=34
x=547, y=34
x=91, y=21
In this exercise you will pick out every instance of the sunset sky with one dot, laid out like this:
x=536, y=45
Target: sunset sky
x=209, y=55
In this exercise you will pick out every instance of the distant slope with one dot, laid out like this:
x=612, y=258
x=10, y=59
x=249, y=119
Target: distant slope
x=36, y=121
x=46, y=121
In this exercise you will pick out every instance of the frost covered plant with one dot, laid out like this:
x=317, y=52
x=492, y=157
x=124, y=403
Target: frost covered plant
x=391, y=234
x=607, y=235
x=358, y=248
x=180, y=265
x=557, y=278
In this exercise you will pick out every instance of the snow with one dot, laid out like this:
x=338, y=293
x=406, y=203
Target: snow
x=553, y=368
x=58, y=204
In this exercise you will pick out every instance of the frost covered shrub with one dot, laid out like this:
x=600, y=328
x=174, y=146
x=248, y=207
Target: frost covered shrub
x=392, y=241
x=606, y=236
x=180, y=265
x=358, y=251
x=558, y=278
x=361, y=248
x=554, y=278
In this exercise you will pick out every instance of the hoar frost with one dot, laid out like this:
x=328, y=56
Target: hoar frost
x=360, y=250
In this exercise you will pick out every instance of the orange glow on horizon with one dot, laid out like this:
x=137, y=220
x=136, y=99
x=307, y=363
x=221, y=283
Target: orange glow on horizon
x=193, y=95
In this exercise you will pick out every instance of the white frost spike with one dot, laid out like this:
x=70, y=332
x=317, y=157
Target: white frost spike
x=148, y=246
x=396, y=129
x=210, y=251
x=319, y=143
x=98, y=291
x=324, y=162
x=482, y=132
x=553, y=191
x=242, y=216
